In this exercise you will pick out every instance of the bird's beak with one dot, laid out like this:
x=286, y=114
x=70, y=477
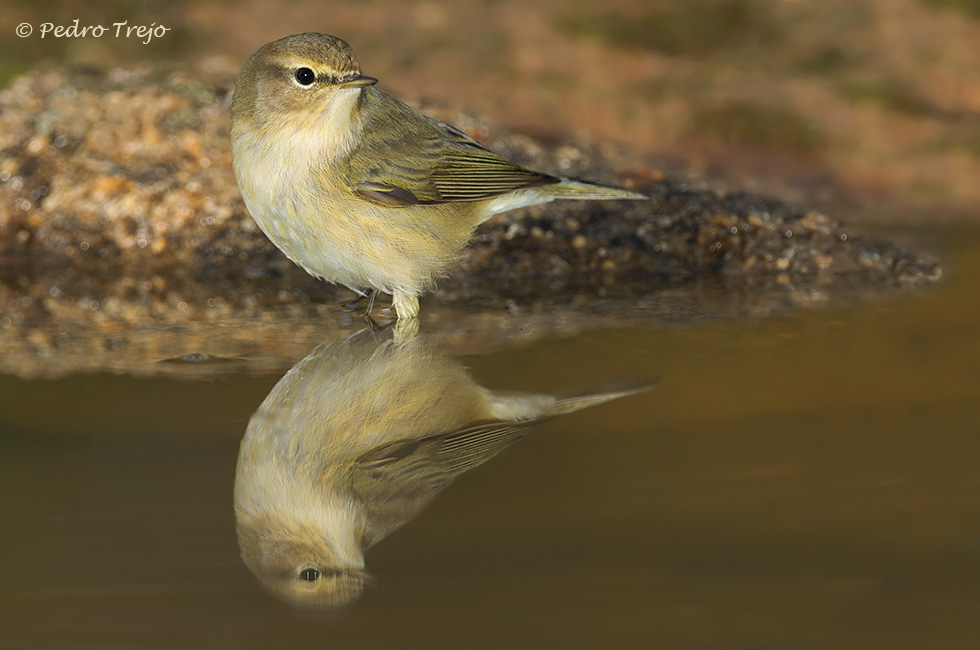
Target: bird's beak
x=363, y=576
x=356, y=81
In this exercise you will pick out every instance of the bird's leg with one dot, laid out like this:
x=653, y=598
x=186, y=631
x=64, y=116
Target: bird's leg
x=372, y=295
x=406, y=305
x=366, y=314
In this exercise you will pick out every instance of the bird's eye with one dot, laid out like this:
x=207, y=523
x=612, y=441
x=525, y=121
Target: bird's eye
x=304, y=77
x=310, y=575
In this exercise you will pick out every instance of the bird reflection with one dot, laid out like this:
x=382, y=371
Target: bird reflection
x=351, y=444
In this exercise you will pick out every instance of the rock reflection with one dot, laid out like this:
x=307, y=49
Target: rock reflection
x=351, y=444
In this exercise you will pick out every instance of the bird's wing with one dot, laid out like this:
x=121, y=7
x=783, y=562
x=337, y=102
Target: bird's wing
x=427, y=161
x=435, y=461
x=394, y=482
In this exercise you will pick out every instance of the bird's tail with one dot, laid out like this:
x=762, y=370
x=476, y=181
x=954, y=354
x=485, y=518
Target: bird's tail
x=573, y=189
x=572, y=404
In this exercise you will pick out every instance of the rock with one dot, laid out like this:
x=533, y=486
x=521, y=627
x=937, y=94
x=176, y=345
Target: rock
x=118, y=205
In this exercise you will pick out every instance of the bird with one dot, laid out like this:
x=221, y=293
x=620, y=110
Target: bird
x=357, y=187
x=353, y=442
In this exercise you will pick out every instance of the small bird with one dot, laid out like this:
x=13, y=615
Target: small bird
x=357, y=187
x=352, y=443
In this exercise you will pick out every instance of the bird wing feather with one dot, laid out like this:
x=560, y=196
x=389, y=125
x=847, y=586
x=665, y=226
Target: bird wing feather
x=395, y=481
x=426, y=161
x=438, y=459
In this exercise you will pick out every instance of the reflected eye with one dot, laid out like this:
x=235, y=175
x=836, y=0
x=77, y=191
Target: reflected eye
x=305, y=76
x=310, y=575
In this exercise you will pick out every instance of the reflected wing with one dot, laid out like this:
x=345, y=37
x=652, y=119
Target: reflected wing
x=435, y=461
x=395, y=482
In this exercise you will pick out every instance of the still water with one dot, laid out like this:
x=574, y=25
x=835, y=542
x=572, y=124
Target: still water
x=808, y=479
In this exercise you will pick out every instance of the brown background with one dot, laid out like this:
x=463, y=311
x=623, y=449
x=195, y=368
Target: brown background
x=868, y=109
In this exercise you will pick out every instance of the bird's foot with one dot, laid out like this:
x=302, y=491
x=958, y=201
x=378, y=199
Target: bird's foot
x=405, y=305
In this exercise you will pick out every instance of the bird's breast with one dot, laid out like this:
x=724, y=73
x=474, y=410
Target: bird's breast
x=296, y=190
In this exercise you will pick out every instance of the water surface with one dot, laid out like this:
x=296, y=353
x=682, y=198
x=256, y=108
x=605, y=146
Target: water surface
x=809, y=479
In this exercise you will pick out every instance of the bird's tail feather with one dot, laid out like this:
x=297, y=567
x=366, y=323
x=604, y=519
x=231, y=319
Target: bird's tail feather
x=573, y=189
x=572, y=404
